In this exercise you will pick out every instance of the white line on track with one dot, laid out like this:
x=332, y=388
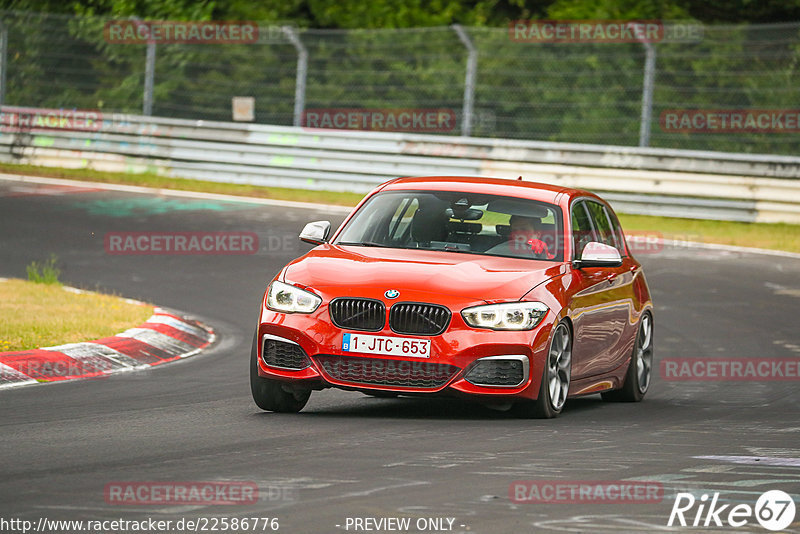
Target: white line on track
x=178, y=193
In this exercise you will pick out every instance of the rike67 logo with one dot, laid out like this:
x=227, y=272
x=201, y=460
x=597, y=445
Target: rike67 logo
x=774, y=510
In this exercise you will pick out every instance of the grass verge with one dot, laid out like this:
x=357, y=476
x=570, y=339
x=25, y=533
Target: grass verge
x=759, y=235
x=34, y=315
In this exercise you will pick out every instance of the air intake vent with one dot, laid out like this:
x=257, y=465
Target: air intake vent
x=385, y=372
x=499, y=371
x=358, y=314
x=419, y=319
x=284, y=355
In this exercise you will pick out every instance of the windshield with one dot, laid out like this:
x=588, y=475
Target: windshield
x=458, y=222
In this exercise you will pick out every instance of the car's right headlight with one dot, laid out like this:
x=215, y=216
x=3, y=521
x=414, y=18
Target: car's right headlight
x=290, y=299
x=509, y=316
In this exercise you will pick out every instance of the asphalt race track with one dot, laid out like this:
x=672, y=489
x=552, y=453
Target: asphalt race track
x=347, y=455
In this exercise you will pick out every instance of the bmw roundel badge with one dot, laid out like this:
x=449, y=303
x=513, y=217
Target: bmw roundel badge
x=391, y=294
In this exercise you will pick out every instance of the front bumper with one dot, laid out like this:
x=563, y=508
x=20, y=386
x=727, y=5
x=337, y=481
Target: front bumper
x=307, y=349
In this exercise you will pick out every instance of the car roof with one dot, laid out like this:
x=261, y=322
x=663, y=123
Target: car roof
x=491, y=186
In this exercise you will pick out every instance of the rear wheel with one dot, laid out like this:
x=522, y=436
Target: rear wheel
x=640, y=370
x=274, y=395
x=555, y=379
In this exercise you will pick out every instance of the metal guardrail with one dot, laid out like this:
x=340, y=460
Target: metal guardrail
x=708, y=185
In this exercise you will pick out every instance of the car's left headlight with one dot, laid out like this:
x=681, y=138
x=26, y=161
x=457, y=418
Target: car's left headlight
x=510, y=316
x=290, y=299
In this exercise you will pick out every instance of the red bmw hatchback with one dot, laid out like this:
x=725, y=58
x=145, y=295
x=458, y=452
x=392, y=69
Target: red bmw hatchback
x=514, y=293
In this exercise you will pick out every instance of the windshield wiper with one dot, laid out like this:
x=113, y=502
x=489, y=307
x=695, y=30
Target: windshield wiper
x=364, y=244
x=455, y=250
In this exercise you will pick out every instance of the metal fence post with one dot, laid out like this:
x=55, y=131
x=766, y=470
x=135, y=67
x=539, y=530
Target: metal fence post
x=469, y=81
x=302, y=72
x=149, y=74
x=149, y=77
x=647, y=93
x=3, y=58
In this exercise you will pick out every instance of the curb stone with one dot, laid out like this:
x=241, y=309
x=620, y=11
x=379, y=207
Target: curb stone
x=166, y=336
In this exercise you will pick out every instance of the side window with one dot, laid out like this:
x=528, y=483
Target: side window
x=602, y=224
x=581, y=228
x=617, y=229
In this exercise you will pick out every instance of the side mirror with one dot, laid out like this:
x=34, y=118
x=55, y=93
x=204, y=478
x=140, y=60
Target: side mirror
x=598, y=255
x=316, y=232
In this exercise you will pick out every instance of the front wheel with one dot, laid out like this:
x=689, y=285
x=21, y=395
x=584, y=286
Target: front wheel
x=273, y=395
x=555, y=379
x=640, y=370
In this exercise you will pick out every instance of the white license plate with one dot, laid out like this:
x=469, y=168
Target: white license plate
x=389, y=345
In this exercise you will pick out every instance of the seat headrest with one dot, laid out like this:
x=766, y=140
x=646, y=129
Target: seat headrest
x=429, y=225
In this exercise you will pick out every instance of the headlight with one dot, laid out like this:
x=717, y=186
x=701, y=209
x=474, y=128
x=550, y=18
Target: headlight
x=511, y=316
x=290, y=299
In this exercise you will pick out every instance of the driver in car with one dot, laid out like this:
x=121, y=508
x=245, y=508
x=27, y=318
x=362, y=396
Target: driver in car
x=524, y=240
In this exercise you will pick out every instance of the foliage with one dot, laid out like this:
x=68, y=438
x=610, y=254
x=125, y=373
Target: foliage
x=44, y=272
x=573, y=92
x=415, y=13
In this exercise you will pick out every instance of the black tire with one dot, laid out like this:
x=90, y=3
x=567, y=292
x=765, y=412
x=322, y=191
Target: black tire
x=274, y=395
x=635, y=386
x=558, y=365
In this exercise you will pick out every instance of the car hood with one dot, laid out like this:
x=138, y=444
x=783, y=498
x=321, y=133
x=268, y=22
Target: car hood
x=366, y=271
